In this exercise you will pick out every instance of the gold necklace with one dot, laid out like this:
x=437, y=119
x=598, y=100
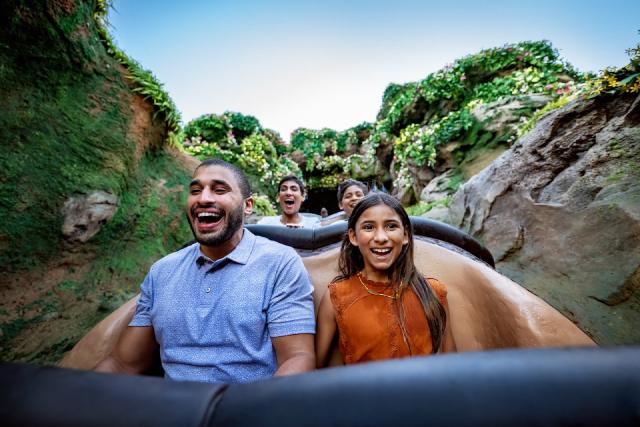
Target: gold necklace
x=395, y=295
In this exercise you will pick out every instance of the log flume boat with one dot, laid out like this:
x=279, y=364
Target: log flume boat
x=520, y=363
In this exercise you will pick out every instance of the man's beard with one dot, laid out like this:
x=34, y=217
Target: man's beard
x=234, y=222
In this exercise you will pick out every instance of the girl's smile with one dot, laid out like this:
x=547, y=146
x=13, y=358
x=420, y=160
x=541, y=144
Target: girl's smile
x=380, y=237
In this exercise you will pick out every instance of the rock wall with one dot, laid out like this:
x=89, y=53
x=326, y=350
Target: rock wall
x=560, y=212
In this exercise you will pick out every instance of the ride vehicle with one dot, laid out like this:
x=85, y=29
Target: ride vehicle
x=519, y=362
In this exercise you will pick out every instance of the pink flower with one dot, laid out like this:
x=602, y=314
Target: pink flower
x=463, y=77
x=519, y=57
x=509, y=49
x=559, y=91
x=548, y=87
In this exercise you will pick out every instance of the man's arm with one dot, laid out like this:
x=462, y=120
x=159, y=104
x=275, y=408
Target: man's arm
x=294, y=353
x=135, y=353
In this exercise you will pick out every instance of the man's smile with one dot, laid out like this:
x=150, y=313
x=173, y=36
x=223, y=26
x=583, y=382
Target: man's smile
x=207, y=220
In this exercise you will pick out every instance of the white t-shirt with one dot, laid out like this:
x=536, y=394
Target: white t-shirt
x=307, y=221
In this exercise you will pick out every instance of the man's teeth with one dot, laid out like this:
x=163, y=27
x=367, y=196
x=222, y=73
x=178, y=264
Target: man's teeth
x=381, y=251
x=208, y=216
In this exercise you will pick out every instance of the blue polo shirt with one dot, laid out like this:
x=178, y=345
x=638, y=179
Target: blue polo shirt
x=214, y=319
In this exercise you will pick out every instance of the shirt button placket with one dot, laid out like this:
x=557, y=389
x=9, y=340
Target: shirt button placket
x=208, y=279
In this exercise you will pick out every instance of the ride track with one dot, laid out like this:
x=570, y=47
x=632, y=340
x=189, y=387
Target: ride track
x=483, y=385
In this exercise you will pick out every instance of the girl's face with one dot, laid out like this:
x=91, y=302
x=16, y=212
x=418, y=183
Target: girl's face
x=290, y=197
x=379, y=235
x=350, y=197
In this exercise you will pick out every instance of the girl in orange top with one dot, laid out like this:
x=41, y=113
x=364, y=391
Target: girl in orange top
x=379, y=306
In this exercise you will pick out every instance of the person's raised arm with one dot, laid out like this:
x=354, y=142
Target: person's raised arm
x=135, y=353
x=294, y=354
x=326, y=332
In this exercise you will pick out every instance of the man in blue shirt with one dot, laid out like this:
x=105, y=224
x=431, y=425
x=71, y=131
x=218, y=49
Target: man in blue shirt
x=233, y=307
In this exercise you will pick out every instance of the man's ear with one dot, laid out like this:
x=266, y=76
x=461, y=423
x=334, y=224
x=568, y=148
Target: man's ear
x=248, y=206
x=352, y=237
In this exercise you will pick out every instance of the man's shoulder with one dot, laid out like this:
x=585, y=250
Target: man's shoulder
x=173, y=259
x=271, y=247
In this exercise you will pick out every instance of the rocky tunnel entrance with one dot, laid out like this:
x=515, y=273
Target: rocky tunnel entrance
x=321, y=198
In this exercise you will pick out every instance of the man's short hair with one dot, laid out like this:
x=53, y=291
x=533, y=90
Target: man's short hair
x=292, y=178
x=348, y=183
x=243, y=182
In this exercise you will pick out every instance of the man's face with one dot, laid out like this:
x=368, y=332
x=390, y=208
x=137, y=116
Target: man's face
x=215, y=206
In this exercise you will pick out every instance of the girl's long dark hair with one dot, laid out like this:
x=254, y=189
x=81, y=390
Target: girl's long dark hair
x=403, y=269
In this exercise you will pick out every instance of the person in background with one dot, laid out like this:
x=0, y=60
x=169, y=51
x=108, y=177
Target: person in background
x=349, y=194
x=380, y=306
x=291, y=194
x=324, y=213
x=231, y=308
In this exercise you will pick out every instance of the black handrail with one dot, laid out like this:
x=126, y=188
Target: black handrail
x=544, y=387
x=316, y=238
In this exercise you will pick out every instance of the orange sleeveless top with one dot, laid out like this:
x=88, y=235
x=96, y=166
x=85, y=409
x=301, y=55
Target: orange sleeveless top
x=369, y=325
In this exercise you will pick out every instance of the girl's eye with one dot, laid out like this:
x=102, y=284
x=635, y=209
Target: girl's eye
x=392, y=226
x=367, y=227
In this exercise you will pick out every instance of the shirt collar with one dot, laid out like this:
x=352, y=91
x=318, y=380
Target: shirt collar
x=240, y=254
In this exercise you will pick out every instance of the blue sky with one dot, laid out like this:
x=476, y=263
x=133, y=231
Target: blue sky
x=326, y=63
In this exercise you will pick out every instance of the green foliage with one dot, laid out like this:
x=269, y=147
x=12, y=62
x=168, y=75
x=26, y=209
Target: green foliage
x=242, y=141
x=67, y=126
x=66, y=129
x=211, y=128
x=146, y=84
x=227, y=129
x=243, y=126
x=389, y=97
x=553, y=105
x=312, y=144
x=417, y=145
x=455, y=181
x=334, y=155
x=447, y=98
x=450, y=94
x=416, y=118
x=421, y=208
x=325, y=181
x=610, y=81
x=613, y=80
x=279, y=144
x=263, y=206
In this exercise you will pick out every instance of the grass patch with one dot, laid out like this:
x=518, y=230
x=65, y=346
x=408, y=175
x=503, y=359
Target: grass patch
x=422, y=208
